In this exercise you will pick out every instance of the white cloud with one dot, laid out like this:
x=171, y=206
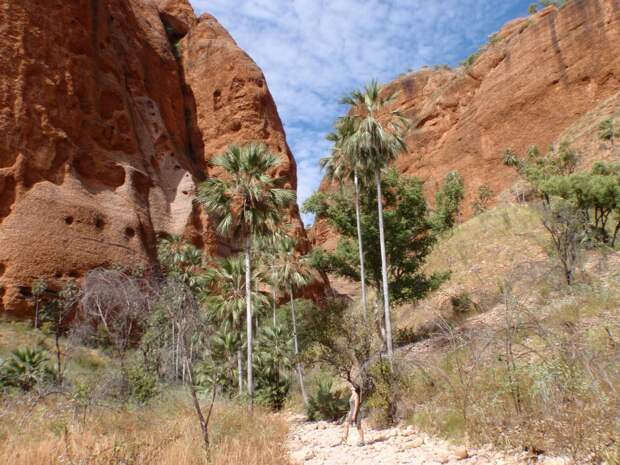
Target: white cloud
x=315, y=51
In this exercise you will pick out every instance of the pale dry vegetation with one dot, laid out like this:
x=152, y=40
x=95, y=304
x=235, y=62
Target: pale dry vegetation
x=478, y=254
x=36, y=431
x=518, y=358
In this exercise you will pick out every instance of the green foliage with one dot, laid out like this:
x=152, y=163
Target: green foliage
x=408, y=234
x=26, y=369
x=226, y=304
x=448, y=202
x=316, y=204
x=142, y=383
x=273, y=360
x=483, y=198
x=249, y=201
x=595, y=194
x=385, y=394
x=609, y=130
x=534, y=7
x=471, y=59
x=182, y=260
x=327, y=404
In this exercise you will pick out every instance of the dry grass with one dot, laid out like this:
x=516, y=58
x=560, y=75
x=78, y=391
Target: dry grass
x=555, y=391
x=164, y=433
x=481, y=254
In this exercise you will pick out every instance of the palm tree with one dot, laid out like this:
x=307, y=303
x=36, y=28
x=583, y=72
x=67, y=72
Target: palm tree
x=228, y=303
x=182, y=260
x=377, y=140
x=294, y=272
x=344, y=164
x=247, y=202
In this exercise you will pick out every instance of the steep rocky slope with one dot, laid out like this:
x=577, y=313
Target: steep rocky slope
x=109, y=111
x=535, y=79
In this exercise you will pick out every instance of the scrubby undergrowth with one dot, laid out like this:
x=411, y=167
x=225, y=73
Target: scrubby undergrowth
x=512, y=355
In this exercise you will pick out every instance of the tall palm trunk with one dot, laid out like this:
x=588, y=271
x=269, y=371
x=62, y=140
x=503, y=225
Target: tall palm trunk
x=300, y=368
x=240, y=371
x=359, y=242
x=248, y=304
x=384, y=275
x=273, y=295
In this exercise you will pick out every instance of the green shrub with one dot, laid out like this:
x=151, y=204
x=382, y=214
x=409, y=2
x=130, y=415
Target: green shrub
x=326, y=404
x=142, y=384
x=25, y=369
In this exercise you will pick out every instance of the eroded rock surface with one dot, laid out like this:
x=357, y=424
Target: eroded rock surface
x=536, y=79
x=105, y=130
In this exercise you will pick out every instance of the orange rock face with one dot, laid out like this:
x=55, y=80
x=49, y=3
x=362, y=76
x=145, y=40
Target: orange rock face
x=541, y=75
x=105, y=128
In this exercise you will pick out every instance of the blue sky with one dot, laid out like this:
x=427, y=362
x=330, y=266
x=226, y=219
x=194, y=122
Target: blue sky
x=315, y=51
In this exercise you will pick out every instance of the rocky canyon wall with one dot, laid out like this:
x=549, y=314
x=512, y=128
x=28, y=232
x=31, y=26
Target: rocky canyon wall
x=535, y=79
x=109, y=113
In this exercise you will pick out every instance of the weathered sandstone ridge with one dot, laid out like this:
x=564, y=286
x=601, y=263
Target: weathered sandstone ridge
x=109, y=111
x=538, y=77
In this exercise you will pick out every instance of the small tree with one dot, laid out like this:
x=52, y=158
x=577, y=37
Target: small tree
x=39, y=287
x=178, y=305
x=448, y=202
x=55, y=313
x=609, y=131
x=408, y=236
x=116, y=306
x=483, y=198
x=566, y=226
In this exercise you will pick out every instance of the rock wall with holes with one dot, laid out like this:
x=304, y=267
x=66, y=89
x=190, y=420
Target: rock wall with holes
x=541, y=79
x=109, y=111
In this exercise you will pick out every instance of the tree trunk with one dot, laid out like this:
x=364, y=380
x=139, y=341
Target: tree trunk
x=58, y=355
x=248, y=303
x=384, y=275
x=300, y=371
x=273, y=295
x=240, y=371
x=360, y=244
x=204, y=423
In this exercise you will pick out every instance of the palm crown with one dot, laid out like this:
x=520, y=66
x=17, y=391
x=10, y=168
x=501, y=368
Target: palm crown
x=378, y=135
x=249, y=201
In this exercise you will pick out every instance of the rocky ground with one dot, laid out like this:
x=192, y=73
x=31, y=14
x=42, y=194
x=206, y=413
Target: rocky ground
x=318, y=443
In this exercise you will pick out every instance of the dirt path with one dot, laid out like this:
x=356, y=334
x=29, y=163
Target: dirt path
x=318, y=444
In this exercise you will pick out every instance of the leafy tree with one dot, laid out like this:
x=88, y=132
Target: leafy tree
x=379, y=137
x=408, y=236
x=248, y=202
x=448, y=202
x=596, y=194
x=566, y=226
x=483, y=197
x=344, y=164
x=538, y=168
x=609, y=130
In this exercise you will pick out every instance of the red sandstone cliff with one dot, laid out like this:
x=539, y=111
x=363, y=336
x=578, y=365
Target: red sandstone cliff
x=543, y=75
x=109, y=110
